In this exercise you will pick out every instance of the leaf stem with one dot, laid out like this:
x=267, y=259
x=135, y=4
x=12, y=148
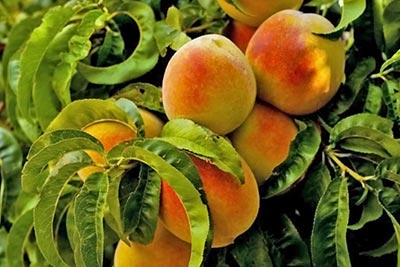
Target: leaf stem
x=345, y=169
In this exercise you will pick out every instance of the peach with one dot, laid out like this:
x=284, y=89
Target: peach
x=209, y=81
x=233, y=206
x=254, y=12
x=263, y=140
x=109, y=133
x=240, y=34
x=165, y=250
x=152, y=124
x=112, y=132
x=297, y=70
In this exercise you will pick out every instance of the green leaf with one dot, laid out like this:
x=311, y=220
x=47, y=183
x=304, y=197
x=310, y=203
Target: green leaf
x=10, y=170
x=253, y=250
x=132, y=110
x=79, y=46
x=374, y=99
x=143, y=94
x=45, y=210
x=17, y=37
x=366, y=120
x=391, y=26
x=350, y=11
x=180, y=173
x=187, y=135
x=45, y=100
x=140, y=212
x=391, y=98
x=389, y=247
x=389, y=62
x=38, y=159
x=168, y=32
x=389, y=169
x=89, y=110
x=17, y=238
x=142, y=59
x=348, y=93
x=328, y=238
x=302, y=151
x=371, y=212
x=113, y=46
x=286, y=246
x=390, y=202
x=53, y=22
x=316, y=181
x=90, y=206
x=367, y=140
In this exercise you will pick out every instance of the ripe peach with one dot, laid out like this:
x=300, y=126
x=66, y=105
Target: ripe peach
x=240, y=34
x=152, y=124
x=254, y=12
x=209, y=81
x=263, y=140
x=233, y=206
x=165, y=250
x=111, y=132
x=297, y=70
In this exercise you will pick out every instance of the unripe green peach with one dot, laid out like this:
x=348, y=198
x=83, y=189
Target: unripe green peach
x=209, y=81
x=297, y=70
x=254, y=12
x=233, y=206
x=263, y=140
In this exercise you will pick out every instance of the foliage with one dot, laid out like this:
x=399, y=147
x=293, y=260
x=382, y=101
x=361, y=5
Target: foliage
x=104, y=59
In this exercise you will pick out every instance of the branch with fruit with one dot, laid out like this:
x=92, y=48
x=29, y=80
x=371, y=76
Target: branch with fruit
x=199, y=133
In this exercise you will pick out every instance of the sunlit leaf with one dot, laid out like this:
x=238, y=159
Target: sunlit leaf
x=17, y=238
x=143, y=94
x=45, y=210
x=189, y=136
x=32, y=180
x=178, y=171
x=89, y=110
x=132, y=110
x=36, y=47
x=142, y=59
x=366, y=120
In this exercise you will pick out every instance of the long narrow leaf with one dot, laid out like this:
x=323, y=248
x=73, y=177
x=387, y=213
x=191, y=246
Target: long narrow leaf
x=328, y=239
x=89, y=211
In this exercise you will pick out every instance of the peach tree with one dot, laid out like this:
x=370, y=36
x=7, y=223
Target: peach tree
x=334, y=201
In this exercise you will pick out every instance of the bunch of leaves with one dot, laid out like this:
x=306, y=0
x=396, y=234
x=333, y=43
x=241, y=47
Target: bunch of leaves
x=85, y=49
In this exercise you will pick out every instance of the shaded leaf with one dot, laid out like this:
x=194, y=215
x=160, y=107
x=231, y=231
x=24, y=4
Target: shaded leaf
x=302, y=151
x=90, y=205
x=371, y=212
x=347, y=94
x=140, y=212
x=328, y=238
